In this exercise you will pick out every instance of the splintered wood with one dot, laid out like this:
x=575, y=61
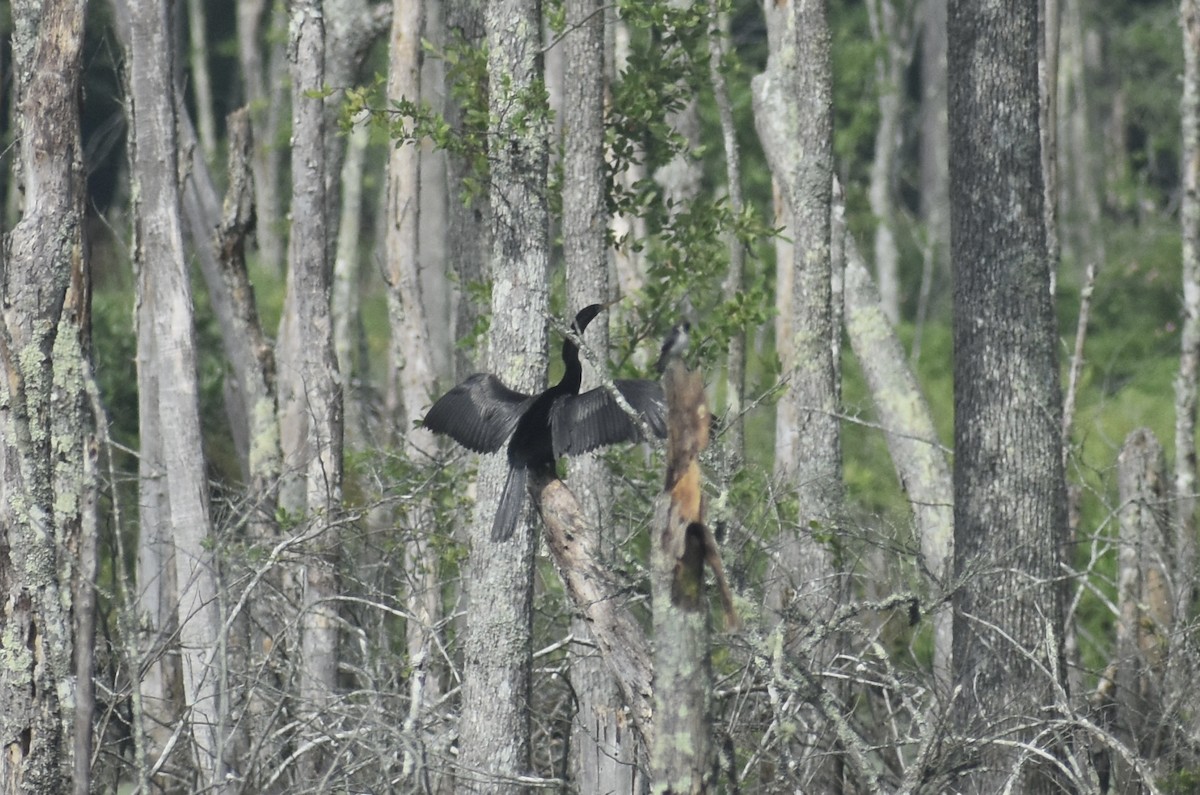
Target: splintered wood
x=685, y=539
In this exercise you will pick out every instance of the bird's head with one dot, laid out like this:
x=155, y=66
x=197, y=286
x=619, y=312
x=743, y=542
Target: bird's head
x=675, y=345
x=587, y=315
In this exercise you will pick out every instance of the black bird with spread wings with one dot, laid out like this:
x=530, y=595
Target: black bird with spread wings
x=482, y=414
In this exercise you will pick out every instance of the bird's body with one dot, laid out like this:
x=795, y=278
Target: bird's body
x=482, y=414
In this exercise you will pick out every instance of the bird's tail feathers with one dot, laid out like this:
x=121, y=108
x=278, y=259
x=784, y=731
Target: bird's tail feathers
x=512, y=501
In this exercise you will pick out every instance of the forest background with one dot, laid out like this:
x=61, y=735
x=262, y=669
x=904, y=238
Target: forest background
x=247, y=245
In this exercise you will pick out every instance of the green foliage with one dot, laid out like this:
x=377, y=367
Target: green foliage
x=409, y=122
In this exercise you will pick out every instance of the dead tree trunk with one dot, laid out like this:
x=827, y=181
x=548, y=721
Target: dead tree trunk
x=309, y=394
x=681, y=756
x=43, y=416
x=1143, y=597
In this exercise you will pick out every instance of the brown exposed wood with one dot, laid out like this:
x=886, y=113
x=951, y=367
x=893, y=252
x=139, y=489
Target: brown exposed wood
x=596, y=592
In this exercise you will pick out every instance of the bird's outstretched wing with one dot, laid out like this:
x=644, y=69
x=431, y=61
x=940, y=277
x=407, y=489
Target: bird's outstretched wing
x=583, y=422
x=480, y=413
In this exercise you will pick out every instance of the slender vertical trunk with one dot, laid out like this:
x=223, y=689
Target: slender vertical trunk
x=309, y=393
x=604, y=750
x=889, y=67
x=1048, y=125
x=201, y=81
x=735, y=362
x=266, y=114
x=164, y=284
x=467, y=225
x=410, y=361
x=345, y=289
x=1144, y=601
x=934, y=179
x=43, y=416
x=496, y=650
x=1189, y=359
x=793, y=103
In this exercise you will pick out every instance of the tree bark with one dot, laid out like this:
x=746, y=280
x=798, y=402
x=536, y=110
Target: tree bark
x=1144, y=597
x=793, y=103
x=43, y=419
x=309, y=392
x=573, y=541
x=201, y=79
x=468, y=225
x=164, y=287
x=912, y=439
x=265, y=117
x=411, y=377
x=735, y=361
x=1010, y=493
x=891, y=60
x=934, y=170
x=681, y=752
x=605, y=754
x=1189, y=358
x=496, y=649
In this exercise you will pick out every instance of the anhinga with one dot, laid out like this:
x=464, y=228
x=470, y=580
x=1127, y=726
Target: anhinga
x=482, y=414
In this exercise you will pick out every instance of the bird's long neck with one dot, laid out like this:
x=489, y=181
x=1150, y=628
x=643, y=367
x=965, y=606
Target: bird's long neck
x=572, y=377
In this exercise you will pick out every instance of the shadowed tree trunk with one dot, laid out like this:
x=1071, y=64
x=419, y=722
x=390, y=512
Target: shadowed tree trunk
x=934, y=179
x=43, y=413
x=200, y=77
x=411, y=373
x=253, y=16
x=467, y=224
x=891, y=60
x=735, y=362
x=1010, y=494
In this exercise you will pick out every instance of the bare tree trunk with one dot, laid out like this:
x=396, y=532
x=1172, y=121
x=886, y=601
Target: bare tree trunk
x=1010, y=517
x=792, y=103
x=266, y=114
x=261, y=629
x=912, y=440
x=43, y=416
x=891, y=60
x=345, y=290
x=309, y=393
x=467, y=225
x=1048, y=124
x=574, y=544
x=629, y=263
x=411, y=375
x=1082, y=183
x=164, y=288
x=681, y=756
x=496, y=650
x=1189, y=359
x=735, y=362
x=934, y=169
x=201, y=80
x=605, y=753
x=1144, y=597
